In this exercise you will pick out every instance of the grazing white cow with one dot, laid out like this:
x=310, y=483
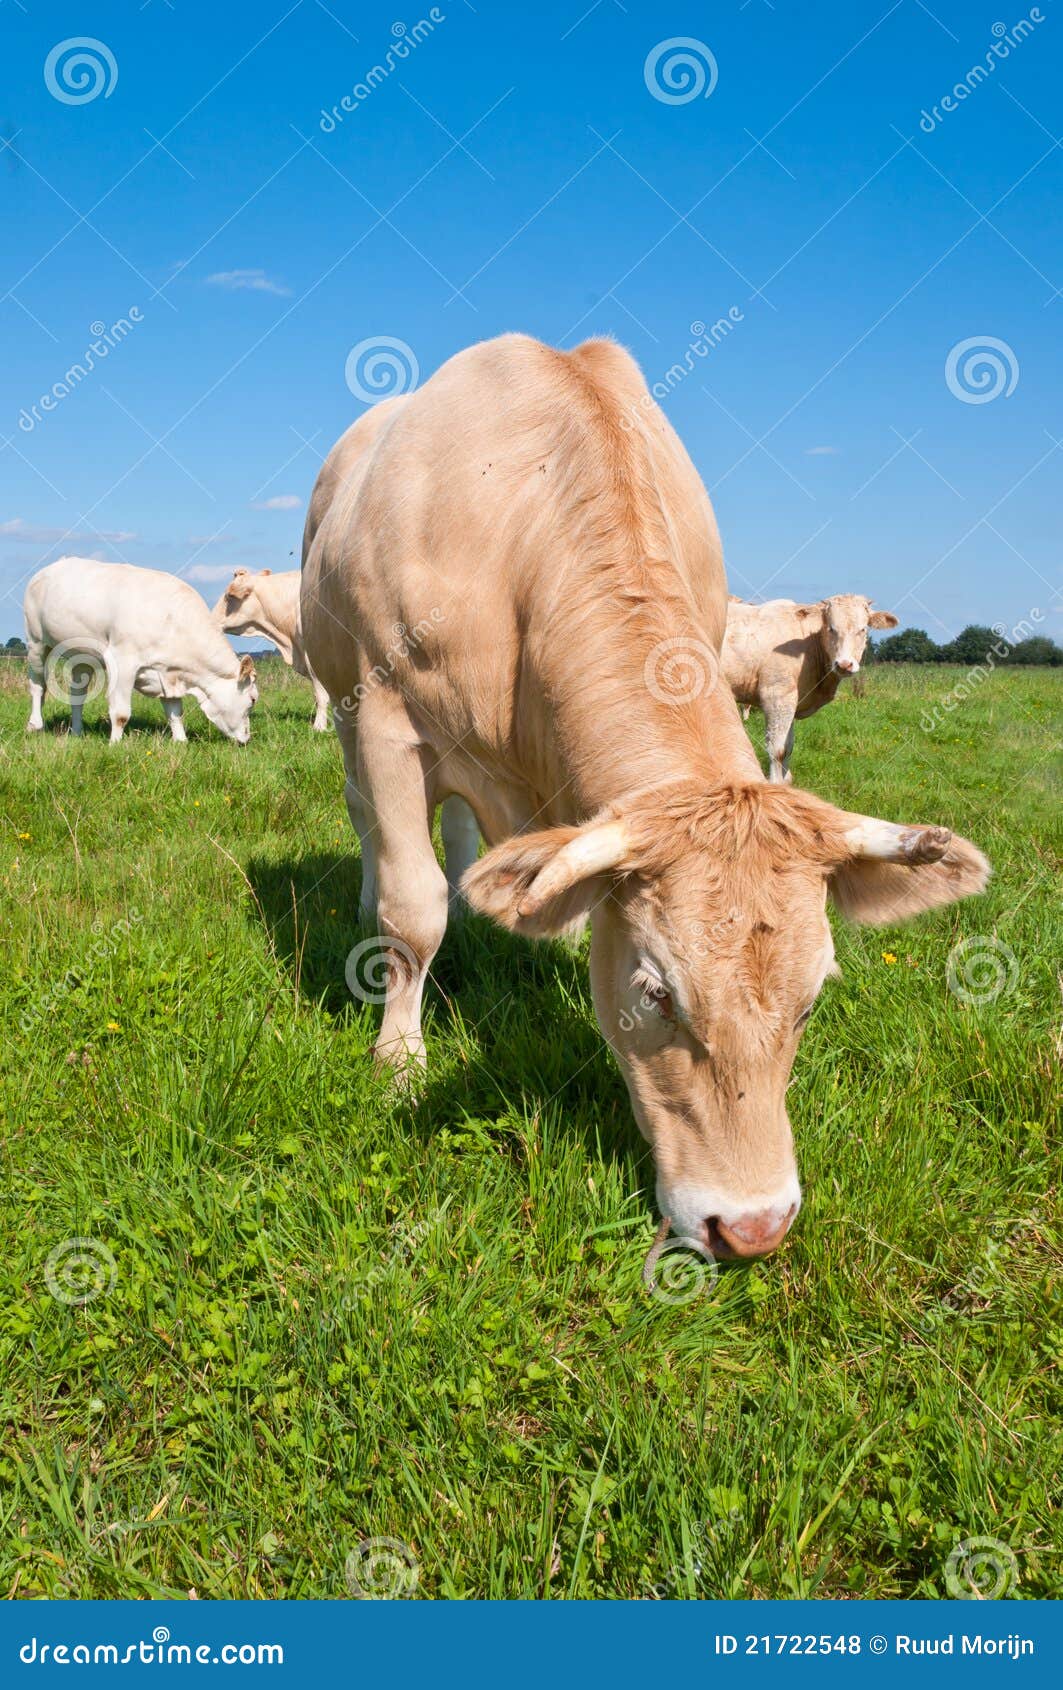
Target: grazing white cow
x=268, y=604
x=791, y=658
x=92, y=625
x=533, y=512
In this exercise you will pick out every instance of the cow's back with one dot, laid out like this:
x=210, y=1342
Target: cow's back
x=141, y=611
x=471, y=525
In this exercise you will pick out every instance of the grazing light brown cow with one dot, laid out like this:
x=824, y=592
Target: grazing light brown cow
x=533, y=511
x=268, y=604
x=790, y=659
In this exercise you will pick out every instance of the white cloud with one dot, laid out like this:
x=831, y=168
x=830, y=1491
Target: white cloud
x=279, y=502
x=208, y=572
x=822, y=451
x=32, y=534
x=248, y=281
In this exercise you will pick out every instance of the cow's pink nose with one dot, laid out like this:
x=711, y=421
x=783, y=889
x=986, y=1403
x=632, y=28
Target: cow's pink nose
x=756, y=1234
x=846, y=665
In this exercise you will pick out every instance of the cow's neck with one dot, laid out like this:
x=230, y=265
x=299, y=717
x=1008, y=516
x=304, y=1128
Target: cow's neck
x=270, y=631
x=627, y=741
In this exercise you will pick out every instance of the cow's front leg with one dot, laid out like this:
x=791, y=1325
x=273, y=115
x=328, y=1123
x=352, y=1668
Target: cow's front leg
x=779, y=734
x=174, y=716
x=411, y=886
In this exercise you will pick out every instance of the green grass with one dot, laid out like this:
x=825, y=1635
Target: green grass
x=337, y=1314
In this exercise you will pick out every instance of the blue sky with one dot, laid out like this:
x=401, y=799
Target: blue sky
x=517, y=170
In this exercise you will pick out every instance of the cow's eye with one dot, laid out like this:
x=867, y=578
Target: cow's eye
x=655, y=994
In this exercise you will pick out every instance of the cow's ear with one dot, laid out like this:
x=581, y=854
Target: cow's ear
x=807, y=611
x=239, y=586
x=882, y=619
x=892, y=872
x=541, y=883
x=247, y=668
x=265, y=572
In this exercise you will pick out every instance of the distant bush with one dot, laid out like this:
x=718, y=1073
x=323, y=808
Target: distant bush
x=974, y=645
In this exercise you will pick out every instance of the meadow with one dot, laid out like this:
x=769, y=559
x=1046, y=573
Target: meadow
x=257, y=1308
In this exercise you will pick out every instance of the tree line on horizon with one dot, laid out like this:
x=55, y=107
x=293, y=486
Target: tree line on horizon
x=974, y=645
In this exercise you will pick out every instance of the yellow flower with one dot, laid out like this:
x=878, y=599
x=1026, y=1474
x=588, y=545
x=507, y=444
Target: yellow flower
x=195, y=803
x=888, y=956
x=25, y=836
x=332, y=912
x=113, y=1027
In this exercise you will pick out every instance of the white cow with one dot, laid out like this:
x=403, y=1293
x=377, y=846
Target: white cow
x=92, y=625
x=791, y=658
x=268, y=604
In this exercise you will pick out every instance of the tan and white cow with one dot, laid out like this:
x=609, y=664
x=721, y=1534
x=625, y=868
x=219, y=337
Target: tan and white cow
x=791, y=658
x=92, y=626
x=263, y=603
x=533, y=511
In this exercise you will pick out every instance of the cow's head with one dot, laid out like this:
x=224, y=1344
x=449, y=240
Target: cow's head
x=710, y=943
x=238, y=609
x=227, y=700
x=844, y=622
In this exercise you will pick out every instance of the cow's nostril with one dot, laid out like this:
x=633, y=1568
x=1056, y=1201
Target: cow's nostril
x=751, y=1235
x=715, y=1240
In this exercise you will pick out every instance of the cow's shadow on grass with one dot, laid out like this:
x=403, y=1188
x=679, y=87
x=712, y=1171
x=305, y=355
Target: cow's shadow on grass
x=510, y=1020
